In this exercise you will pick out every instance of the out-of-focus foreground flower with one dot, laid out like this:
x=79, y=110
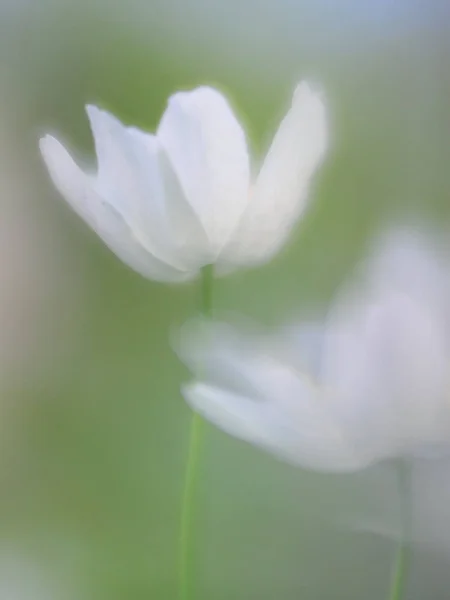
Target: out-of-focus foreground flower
x=369, y=384
x=169, y=204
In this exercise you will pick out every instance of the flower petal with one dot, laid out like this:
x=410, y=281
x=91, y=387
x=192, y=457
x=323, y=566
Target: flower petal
x=246, y=390
x=280, y=192
x=410, y=260
x=236, y=415
x=135, y=176
x=79, y=191
x=223, y=357
x=303, y=436
x=207, y=148
x=389, y=360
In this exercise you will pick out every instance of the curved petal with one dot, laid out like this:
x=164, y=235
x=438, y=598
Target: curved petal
x=79, y=191
x=237, y=415
x=135, y=176
x=303, y=436
x=280, y=192
x=246, y=390
x=208, y=151
x=388, y=358
x=120, y=175
x=221, y=356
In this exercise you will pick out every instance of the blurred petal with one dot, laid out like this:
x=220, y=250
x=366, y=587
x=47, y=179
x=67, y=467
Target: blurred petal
x=306, y=342
x=78, y=189
x=371, y=384
x=404, y=260
x=237, y=415
x=247, y=391
x=301, y=434
x=387, y=350
x=207, y=148
x=280, y=192
x=386, y=358
x=226, y=358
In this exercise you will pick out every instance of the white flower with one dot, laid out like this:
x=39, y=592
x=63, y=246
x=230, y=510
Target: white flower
x=369, y=384
x=170, y=203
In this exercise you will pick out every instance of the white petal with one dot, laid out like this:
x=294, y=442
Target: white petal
x=388, y=359
x=280, y=193
x=78, y=189
x=386, y=351
x=306, y=342
x=237, y=415
x=135, y=176
x=119, y=170
x=409, y=261
x=246, y=390
x=207, y=148
x=303, y=436
x=222, y=357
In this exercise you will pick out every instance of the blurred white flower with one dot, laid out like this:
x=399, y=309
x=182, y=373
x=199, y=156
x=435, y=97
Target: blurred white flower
x=170, y=203
x=369, y=384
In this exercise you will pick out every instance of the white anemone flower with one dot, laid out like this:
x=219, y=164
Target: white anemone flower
x=173, y=202
x=368, y=384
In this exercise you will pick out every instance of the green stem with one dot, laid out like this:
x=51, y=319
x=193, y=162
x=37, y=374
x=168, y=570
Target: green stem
x=188, y=513
x=402, y=559
x=207, y=279
x=192, y=465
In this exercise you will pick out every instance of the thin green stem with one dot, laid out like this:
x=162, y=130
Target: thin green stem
x=206, y=290
x=192, y=465
x=402, y=559
x=188, y=513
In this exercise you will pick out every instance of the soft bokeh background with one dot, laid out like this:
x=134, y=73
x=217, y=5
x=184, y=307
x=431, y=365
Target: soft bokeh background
x=93, y=431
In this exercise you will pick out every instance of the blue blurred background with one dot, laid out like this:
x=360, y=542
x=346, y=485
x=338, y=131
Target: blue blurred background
x=93, y=430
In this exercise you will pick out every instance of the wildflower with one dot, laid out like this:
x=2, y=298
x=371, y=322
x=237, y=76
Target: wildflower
x=172, y=202
x=370, y=383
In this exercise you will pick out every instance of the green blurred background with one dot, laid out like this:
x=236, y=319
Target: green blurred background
x=93, y=431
